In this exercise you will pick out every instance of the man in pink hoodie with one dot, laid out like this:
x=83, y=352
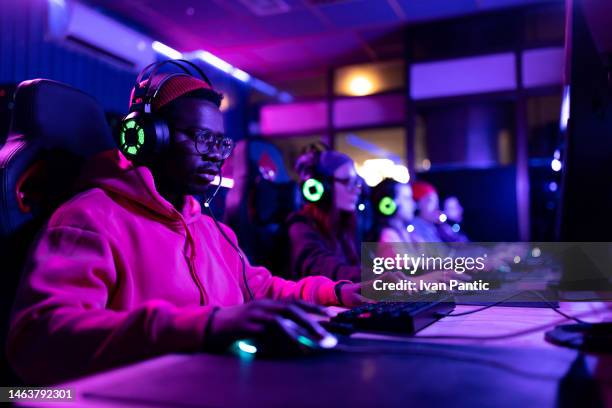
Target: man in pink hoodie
x=130, y=268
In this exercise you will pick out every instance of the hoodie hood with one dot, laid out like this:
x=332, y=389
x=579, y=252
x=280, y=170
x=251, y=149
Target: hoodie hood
x=113, y=172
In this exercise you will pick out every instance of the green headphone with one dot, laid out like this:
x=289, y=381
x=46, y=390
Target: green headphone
x=313, y=190
x=131, y=137
x=383, y=197
x=142, y=133
x=387, y=206
x=315, y=187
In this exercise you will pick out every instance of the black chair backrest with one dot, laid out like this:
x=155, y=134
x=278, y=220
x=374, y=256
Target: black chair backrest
x=54, y=129
x=258, y=205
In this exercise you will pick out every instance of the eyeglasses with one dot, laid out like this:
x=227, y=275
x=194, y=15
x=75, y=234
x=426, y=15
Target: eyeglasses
x=206, y=141
x=350, y=182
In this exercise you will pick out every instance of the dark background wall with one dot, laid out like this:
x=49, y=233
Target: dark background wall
x=26, y=52
x=488, y=196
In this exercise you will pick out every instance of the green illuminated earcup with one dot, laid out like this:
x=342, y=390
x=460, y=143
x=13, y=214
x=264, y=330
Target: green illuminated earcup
x=313, y=190
x=142, y=134
x=387, y=206
x=132, y=136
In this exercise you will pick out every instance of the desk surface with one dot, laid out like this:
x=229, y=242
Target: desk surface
x=518, y=371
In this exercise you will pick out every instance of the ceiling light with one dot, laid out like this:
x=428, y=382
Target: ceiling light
x=214, y=61
x=165, y=50
x=360, y=85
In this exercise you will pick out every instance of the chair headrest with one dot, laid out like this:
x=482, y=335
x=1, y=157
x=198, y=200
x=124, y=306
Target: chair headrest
x=56, y=115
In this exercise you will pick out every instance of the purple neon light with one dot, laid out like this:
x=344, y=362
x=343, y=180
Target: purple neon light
x=369, y=110
x=543, y=67
x=293, y=118
x=463, y=76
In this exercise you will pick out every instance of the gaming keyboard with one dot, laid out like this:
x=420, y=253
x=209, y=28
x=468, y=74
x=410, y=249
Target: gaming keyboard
x=404, y=318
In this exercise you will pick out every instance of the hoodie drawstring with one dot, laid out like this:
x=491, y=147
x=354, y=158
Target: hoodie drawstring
x=191, y=262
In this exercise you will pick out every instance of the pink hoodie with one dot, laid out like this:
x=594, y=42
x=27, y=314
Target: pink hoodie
x=119, y=275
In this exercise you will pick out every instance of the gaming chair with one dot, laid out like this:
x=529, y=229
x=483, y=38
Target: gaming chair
x=260, y=201
x=54, y=129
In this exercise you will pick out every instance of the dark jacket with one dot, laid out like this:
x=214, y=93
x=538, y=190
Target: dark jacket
x=315, y=253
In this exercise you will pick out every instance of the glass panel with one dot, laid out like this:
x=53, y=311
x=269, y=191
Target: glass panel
x=543, y=114
x=543, y=122
x=365, y=145
x=475, y=134
x=292, y=147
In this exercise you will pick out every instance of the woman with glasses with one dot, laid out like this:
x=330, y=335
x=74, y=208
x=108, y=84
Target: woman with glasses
x=323, y=233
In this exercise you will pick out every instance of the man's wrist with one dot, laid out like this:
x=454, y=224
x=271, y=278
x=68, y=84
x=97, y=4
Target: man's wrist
x=208, y=343
x=338, y=292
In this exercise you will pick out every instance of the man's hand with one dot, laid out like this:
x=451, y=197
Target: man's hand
x=351, y=293
x=259, y=319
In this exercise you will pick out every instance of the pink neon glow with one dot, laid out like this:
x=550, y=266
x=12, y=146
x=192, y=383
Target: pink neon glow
x=369, y=110
x=293, y=118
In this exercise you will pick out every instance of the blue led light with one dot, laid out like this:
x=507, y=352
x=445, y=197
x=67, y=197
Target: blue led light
x=246, y=347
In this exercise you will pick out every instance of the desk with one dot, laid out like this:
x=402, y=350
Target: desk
x=524, y=371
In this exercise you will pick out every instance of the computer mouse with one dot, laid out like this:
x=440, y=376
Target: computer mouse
x=289, y=339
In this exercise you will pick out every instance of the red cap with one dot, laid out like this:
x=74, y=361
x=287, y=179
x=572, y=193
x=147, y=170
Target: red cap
x=421, y=188
x=174, y=88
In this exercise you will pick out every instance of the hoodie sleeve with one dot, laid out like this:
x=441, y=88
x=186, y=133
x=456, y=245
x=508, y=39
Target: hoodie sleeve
x=61, y=327
x=315, y=289
x=310, y=256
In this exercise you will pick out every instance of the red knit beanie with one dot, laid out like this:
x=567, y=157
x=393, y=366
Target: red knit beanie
x=174, y=88
x=421, y=188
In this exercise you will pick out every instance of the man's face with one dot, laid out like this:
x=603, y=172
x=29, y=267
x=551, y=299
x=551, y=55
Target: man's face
x=188, y=171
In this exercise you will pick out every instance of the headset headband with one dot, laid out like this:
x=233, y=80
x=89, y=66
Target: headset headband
x=311, y=159
x=147, y=98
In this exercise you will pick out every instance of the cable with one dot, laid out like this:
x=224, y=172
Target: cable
x=498, y=337
x=209, y=200
x=538, y=294
x=212, y=215
x=482, y=308
x=556, y=309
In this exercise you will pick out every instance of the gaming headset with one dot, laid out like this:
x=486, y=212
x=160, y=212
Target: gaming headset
x=384, y=197
x=386, y=206
x=141, y=133
x=315, y=186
